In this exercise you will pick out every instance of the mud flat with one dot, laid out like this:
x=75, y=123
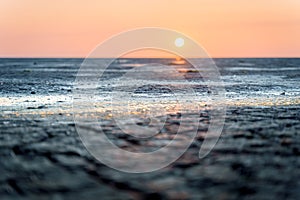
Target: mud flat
x=256, y=157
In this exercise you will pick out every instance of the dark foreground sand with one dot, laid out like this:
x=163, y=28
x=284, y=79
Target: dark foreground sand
x=257, y=157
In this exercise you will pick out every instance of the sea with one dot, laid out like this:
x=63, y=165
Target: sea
x=30, y=85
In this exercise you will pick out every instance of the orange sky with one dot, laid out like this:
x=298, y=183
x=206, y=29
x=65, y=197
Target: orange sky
x=226, y=28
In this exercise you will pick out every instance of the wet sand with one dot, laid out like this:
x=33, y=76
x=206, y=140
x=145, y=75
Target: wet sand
x=257, y=156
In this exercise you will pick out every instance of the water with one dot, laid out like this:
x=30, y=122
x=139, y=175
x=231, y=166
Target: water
x=29, y=85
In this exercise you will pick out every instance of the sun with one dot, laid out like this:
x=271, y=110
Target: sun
x=179, y=42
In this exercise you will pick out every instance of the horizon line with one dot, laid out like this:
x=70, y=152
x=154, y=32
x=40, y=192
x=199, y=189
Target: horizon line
x=229, y=57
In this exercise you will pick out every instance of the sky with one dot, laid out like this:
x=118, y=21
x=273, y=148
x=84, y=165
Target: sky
x=225, y=28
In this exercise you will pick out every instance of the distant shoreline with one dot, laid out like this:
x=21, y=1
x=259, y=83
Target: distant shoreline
x=148, y=58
